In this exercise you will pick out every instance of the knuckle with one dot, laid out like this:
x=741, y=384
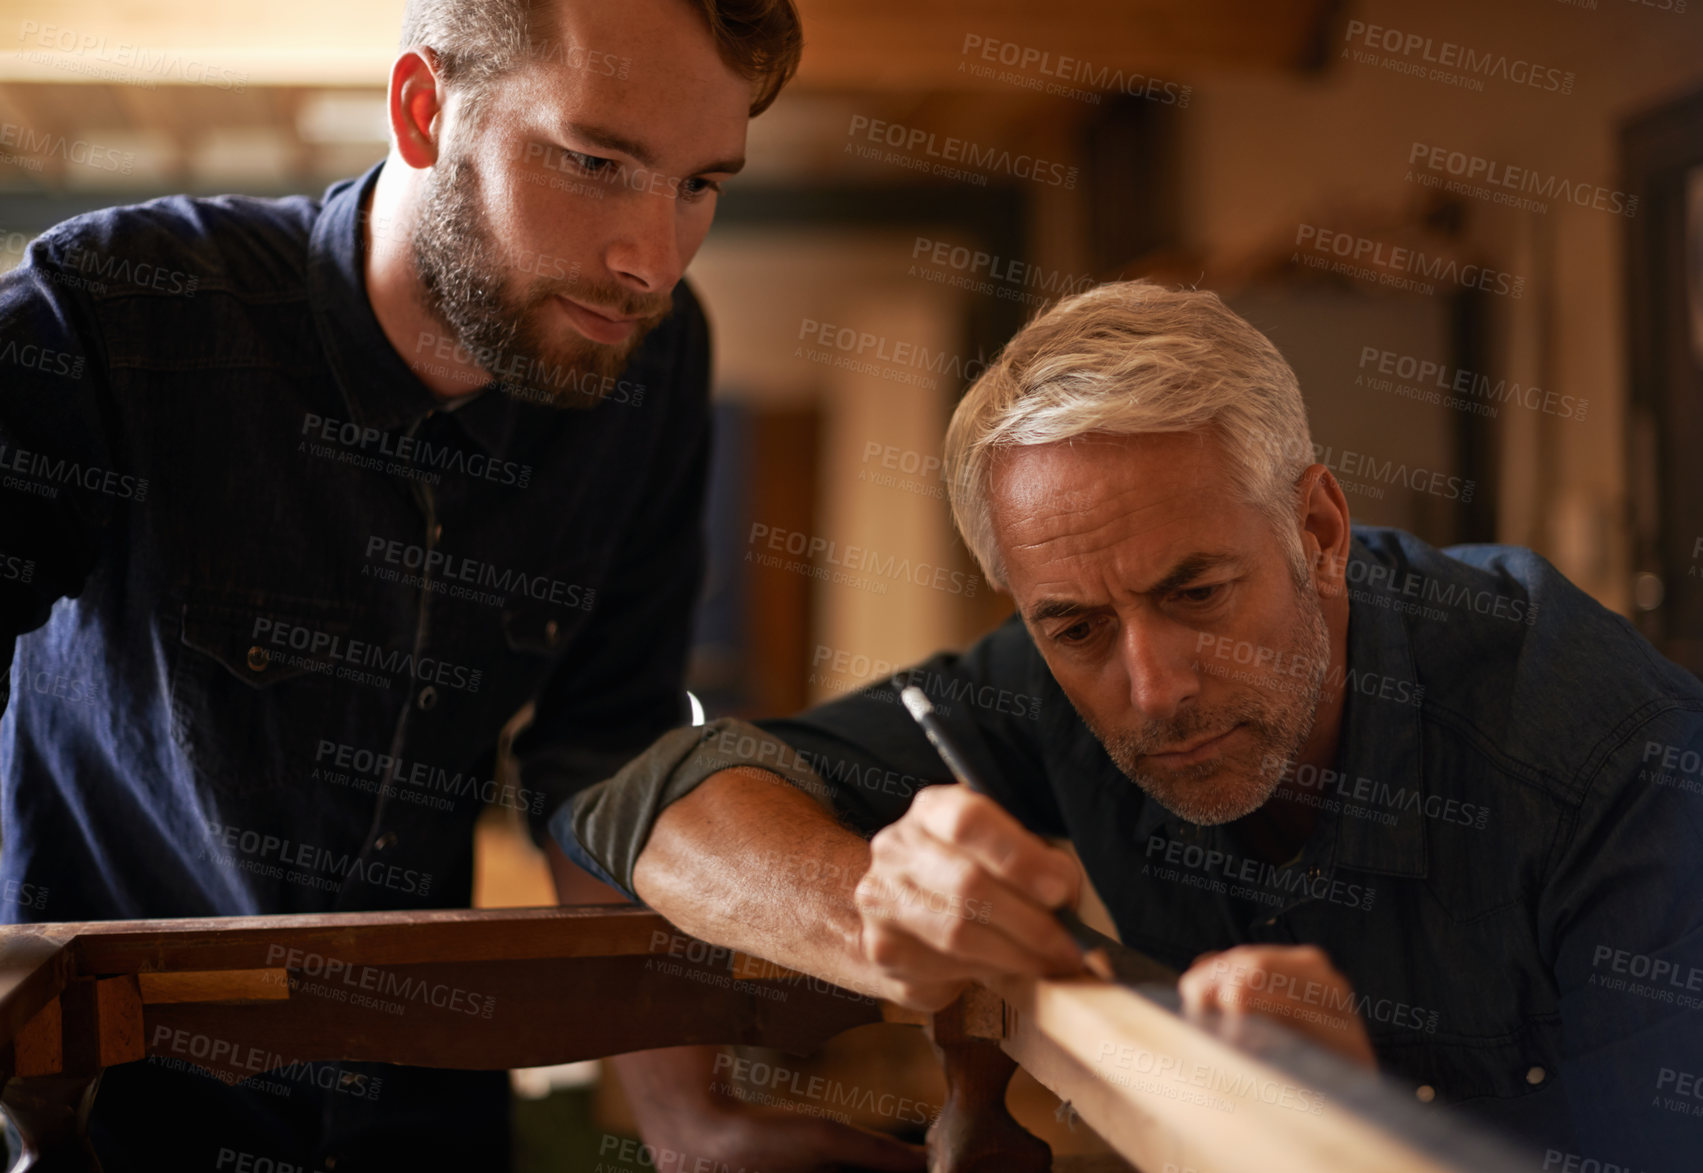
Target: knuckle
x=886, y=843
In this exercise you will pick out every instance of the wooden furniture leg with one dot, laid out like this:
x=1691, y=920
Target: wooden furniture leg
x=974, y=1132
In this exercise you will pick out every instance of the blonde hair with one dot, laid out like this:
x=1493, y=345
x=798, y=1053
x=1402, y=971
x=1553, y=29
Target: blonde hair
x=1130, y=357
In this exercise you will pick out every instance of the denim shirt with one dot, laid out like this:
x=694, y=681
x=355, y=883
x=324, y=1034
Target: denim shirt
x=267, y=605
x=1506, y=864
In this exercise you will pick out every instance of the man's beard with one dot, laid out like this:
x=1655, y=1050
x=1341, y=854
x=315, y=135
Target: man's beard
x=1237, y=782
x=463, y=283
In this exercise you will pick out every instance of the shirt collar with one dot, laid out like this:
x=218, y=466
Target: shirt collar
x=1381, y=741
x=377, y=385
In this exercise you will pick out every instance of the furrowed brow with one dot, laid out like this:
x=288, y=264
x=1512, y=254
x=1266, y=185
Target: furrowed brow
x=1184, y=572
x=1057, y=609
x=1189, y=569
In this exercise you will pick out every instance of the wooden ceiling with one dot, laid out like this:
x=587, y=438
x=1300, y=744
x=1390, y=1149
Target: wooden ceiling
x=187, y=91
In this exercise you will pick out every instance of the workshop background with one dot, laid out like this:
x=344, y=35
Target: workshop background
x=1475, y=228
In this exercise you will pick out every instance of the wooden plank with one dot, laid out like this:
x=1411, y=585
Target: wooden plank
x=495, y=1015
x=219, y=985
x=1164, y=1091
x=365, y=938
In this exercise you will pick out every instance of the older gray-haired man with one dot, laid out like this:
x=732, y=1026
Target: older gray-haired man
x=1420, y=803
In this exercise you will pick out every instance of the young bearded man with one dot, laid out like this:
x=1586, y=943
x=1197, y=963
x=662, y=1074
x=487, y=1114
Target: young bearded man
x=1430, y=807
x=305, y=499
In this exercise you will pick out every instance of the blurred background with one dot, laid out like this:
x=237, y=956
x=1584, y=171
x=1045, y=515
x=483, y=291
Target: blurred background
x=1474, y=227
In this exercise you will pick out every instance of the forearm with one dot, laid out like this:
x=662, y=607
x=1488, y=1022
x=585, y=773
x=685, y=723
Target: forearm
x=747, y=861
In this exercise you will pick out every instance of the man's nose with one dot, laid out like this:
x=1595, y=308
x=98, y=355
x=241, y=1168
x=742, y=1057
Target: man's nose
x=646, y=253
x=1159, y=662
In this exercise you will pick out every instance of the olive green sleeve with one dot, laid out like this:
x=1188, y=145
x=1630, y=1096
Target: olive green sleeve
x=605, y=827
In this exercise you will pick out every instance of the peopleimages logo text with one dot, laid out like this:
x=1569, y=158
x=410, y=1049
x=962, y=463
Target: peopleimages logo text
x=423, y=454
x=1426, y=51
x=1401, y=262
x=322, y=649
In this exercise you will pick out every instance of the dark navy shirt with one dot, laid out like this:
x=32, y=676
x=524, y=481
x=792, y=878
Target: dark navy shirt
x=267, y=605
x=1508, y=862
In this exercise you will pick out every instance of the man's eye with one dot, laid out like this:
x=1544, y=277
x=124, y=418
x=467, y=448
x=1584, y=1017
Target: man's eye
x=590, y=164
x=1200, y=594
x=698, y=188
x=1075, y=633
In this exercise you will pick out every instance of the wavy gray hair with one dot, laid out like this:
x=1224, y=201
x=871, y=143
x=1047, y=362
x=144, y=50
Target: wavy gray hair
x=1124, y=358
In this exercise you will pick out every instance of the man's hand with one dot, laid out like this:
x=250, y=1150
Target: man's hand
x=1296, y=984
x=957, y=890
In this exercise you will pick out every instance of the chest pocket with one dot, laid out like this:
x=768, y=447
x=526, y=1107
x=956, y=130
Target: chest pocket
x=259, y=680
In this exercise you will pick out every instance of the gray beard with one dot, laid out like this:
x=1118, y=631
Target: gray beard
x=1280, y=722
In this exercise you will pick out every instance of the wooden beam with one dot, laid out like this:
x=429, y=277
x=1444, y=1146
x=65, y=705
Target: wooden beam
x=901, y=44
x=495, y=1015
x=365, y=938
x=219, y=985
x=1167, y=1093
x=861, y=44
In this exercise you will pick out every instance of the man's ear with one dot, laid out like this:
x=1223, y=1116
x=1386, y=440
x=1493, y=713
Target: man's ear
x=415, y=102
x=1325, y=534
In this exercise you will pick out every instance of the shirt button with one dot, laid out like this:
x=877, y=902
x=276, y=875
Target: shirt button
x=1426, y=1093
x=347, y=1079
x=388, y=839
x=257, y=658
x=1536, y=1076
x=551, y=630
x=428, y=697
x=1315, y=872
